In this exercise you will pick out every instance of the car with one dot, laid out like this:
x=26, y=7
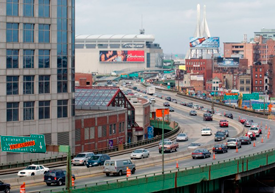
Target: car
x=33, y=170
x=97, y=160
x=5, y=187
x=169, y=146
x=219, y=136
x=220, y=148
x=174, y=101
x=134, y=88
x=201, y=153
x=224, y=123
x=245, y=140
x=57, y=176
x=190, y=105
x=131, y=94
x=166, y=104
x=164, y=141
x=226, y=132
x=233, y=142
x=183, y=104
x=201, y=107
x=152, y=100
x=194, y=145
x=242, y=120
x=258, y=126
x=82, y=158
x=204, y=109
x=197, y=107
x=168, y=98
x=229, y=115
x=140, y=153
x=252, y=136
x=218, y=113
x=207, y=117
x=210, y=111
x=248, y=123
x=118, y=167
x=255, y=130
x=171, y=109
x=193, y=113
x=206, y=131
x=182, y=137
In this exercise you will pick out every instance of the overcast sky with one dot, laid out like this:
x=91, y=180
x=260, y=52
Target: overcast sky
x=172, y=22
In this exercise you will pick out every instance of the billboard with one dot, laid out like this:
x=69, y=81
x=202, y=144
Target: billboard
x=132, y=45
x=203, y=42
x=121, y=56
x=228, y=62
x=182, y=67
x=179, y=74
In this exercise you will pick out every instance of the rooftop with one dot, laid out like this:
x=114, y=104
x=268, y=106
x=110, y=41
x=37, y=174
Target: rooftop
x=115, y=37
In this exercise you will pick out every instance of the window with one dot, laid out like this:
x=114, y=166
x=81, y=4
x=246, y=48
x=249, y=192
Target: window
x=12, y=85
x=110, y=129
x=260, y=69
x=12, y=7
x=247, y=88
x=28, y=59
x=44, y=8
x=13, y=111
x=241, y=81
x=260, y=82
x=44, y=109
x=12, y=58
x=28, y=111
x=28, y=85
x=119, y=128
x=122, y=126
x=44, y=58
x=256, y=82
x=12, y=32
x=256, y=88
x=104, y=131
x=62, y=108
x=256, y=75
x=99, y=131
x=260, y=88
x=92, y=133
x=28, y=32
x=87, y=133
x=114, y=129
x=44, y=84
x=44, y=33
x=256, y=69
x=28, y=7
x=247, y=81
x=260, y=75
x=241, y=88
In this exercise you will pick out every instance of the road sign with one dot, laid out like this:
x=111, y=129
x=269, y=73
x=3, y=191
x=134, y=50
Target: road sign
x=32, y=144
x=111, y=144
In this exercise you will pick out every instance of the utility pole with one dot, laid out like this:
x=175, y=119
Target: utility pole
x=162, y=139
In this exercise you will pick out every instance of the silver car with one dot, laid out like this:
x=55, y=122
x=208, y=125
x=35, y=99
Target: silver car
x=118, y=167
x=182, y=137
x=82, y=158
x=140, y=153
x=234, y=142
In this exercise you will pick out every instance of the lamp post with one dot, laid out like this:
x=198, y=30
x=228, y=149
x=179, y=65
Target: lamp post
x=162, y=139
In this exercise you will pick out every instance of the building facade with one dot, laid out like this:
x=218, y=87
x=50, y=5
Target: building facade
x=244, y=83
x=37, y=72
x=258, y=77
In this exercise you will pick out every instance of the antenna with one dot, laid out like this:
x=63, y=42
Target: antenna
x=142, y=31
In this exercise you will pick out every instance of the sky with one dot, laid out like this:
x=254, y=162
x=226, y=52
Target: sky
x=172, y=22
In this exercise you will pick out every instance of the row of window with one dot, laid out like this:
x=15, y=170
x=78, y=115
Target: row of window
x=256, y=82
x=246, y=81
x=28, y=8
x=247, y=88
x=12, y=33
x=28, y=84
x=195, y=63
x=256, y=88
x=195, y=68
x=12, y=59
x=29, y=110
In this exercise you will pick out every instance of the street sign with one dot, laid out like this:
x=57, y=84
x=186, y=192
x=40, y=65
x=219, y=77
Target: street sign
x=33, y=144
x=111, y=144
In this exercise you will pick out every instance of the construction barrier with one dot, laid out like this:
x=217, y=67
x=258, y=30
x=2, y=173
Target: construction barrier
x=23, y=188
x=128, y=172
x=72, y=181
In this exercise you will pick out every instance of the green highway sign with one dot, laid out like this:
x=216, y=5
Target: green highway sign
x=17, y=144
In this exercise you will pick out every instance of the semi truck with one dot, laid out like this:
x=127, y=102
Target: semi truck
x=151, y=90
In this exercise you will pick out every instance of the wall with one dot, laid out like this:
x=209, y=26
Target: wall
x=86, y=78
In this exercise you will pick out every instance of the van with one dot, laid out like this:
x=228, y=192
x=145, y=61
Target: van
x=82, y=158
x=118, y=167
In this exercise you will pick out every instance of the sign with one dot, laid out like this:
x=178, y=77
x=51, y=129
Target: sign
x=228, y=62
x=259, y=106
x=230, y=97
x=150, y=131
x=254, y=96
x=231, y=94
x=32, y=144
x=111, y=144
x=159, y=112
x=132, y=45
x=121, y=56
x=203, y=42
x=182, y=67
x=179, y=74
x=64, y=148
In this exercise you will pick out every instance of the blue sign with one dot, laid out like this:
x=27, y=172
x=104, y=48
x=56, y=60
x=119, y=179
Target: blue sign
x=150, y=131
x=203, y=42
x=111, y=143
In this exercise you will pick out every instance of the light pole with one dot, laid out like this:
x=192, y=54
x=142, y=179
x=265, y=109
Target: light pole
x=162, y=139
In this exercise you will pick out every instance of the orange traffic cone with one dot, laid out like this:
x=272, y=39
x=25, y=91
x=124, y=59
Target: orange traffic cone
x=72, y=181
x=262, y=140
x=214, y=156
x=23, y=188
x=254, y=144
x=128, y=173
x=265, y=126
x=269, y=129
x=177, y=165
x=237, y=150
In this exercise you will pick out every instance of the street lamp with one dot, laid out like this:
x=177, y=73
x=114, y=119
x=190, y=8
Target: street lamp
x=162, y=139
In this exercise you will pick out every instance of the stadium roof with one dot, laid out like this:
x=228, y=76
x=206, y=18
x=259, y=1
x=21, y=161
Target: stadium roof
x=115, y=37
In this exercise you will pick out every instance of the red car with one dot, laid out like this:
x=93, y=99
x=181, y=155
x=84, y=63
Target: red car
x=224, y=123
x=242, y=120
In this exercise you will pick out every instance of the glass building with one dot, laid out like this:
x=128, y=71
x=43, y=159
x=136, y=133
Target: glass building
x=37, y=72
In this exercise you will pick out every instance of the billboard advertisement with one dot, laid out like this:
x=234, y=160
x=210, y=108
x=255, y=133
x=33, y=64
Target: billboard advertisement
x=228, y=62
x=203, y=42
x=179, y=74
x=121, y=56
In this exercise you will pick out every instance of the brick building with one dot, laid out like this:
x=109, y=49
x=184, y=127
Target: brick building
x=83, y=79
x=258, y=77
x=271, y=76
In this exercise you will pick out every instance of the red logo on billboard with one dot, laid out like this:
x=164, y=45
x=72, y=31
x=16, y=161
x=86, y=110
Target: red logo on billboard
x=135, y=56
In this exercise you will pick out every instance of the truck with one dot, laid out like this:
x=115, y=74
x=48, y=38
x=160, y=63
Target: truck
x=169, y=146
x=151, y=90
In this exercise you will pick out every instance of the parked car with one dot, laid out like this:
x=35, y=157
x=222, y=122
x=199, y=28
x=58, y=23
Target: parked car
x=97, y=160
x=5, y=187
x=220, y=148
x=174, y=101
x=118, y=167
x=140, y=153
x=207, y=117
x=219, y=136
x=166, y=104
x=168, y=98
x=206, y=131
x=245, y=140
x=233, y=142
x=194, y=145
x=201, y=153
x=248, y=123
x=56, y=177
x=224, y=123
x=169, y=146
x=82, y=158
x=229, y=115
x=182, y=137
x=242, y=120
x=33, y=170
x=171, y=109
x=193, y=113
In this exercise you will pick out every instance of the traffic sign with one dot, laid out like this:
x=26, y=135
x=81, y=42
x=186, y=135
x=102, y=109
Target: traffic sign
x=33, y=144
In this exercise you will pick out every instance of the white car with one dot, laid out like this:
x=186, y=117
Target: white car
x=33, y=170
x=140, y=153
x=194, y=145
x=218, y=113
x=182, y=137
x=255, y=130
x=206, y=131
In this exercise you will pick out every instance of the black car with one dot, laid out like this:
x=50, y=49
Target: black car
x=168, y=98
x=228, y=115
x=210, y=111
x=97, y=160
x=183, y=104
x=190, y=105
x=245, y=140
x=220, y=148
x=166, y=104
x=219, y=136
x=171, y=109
x=226, y=132
x=193, y=113
x=56, y=177
x=207, y=117
x=201, y=153
x=134, y=88
x=4, y=187
x=174, y=101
